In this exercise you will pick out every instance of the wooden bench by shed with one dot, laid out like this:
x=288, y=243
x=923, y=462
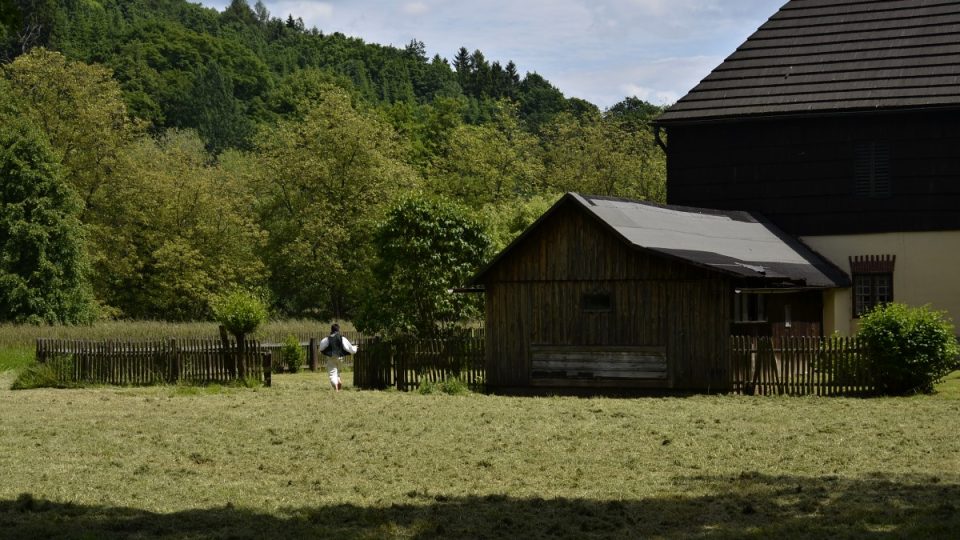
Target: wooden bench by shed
x=589, y=366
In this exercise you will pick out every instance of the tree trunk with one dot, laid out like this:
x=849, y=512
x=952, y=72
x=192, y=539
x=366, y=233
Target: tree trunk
x=229, y=358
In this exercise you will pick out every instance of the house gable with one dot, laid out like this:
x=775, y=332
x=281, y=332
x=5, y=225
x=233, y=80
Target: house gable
x=570, y=244
x=584, y=237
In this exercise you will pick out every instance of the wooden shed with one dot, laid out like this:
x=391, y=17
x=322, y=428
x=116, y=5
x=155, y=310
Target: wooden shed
x=611, y=294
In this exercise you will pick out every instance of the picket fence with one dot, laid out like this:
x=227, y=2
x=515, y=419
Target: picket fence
x=310, y=343
x=153, y=361
x=757, y=365
x=799, y=365
x=405, y=362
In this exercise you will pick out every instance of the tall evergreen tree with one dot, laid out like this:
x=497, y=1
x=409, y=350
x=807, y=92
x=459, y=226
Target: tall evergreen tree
x=462, y=65
x=480, y=75
x=42, y=262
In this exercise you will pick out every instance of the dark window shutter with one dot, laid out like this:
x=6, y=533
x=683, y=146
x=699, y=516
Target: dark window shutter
x=871, y=170
x=597, y=301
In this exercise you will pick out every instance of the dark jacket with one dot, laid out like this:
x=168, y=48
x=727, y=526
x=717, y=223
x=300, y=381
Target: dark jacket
x=334, y=346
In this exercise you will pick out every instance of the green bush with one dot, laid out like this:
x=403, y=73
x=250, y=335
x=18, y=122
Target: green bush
x=451, y=385
x=239, y=311
x=292, y=355
x=908, y=349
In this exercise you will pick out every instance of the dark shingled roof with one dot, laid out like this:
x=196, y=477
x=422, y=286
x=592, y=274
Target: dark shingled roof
x=818, y=56
x=738, y=244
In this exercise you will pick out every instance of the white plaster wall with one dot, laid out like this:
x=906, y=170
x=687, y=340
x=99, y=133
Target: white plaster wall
x=927, y=271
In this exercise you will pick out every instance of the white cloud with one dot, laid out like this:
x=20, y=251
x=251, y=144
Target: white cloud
x=312, y=13
x=415, y=8
x=652, y=95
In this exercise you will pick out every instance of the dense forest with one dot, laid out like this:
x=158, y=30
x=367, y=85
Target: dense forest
x=155, y=153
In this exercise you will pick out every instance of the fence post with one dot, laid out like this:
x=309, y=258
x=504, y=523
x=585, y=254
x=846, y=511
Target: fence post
x=312, y=354
x=242, y=354
x=229, y=359
x=267, y=369
x=174, y=355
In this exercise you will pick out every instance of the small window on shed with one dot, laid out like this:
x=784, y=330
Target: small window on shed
x=597, y=302
x=871, y=170
x=748, y=307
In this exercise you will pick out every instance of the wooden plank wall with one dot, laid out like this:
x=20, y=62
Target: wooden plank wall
x=800, y=172
x=594, y=366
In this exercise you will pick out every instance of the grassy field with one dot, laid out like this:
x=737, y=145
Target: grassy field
x=297, y=460
x=14, y=358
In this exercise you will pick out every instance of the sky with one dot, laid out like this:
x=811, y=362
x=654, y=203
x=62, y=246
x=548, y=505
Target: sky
x=598, y=50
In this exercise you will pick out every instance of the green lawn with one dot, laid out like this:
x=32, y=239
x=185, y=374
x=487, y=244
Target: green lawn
x=949, y=388
x=14, y=358
x=298, y=460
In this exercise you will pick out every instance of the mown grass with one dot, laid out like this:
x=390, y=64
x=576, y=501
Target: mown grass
x=298, y=460
x=949, y=387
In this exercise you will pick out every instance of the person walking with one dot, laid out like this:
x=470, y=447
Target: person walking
x=335, y=347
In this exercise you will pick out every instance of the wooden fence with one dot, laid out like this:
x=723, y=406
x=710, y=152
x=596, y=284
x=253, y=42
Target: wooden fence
x=310, y=344
x=405, y=362
x=764, y=366
x=798, y=366
x=758, y=366
x=152, y=361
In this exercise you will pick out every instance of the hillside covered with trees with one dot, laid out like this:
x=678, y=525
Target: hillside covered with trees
x=154, y=153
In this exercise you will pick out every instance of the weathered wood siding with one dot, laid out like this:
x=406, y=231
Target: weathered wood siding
x=800, y=172
x=534, y=299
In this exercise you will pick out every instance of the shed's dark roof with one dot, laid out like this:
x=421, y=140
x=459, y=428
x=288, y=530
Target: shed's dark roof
x=739, y=244
x=818, y=56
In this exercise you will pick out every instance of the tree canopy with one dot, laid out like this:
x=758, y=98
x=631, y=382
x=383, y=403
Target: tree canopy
x=42, y=261
x=187, y=152
x=424, y=249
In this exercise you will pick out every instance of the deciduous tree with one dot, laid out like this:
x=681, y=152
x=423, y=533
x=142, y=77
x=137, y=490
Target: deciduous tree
x=180, y=230
x=603, y=157
x=325, y=180
x=42, y=260
x=425, y=248
x=486, y=164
